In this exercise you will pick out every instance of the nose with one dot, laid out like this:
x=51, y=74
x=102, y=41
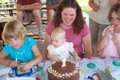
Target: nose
x=53, y=42
x=13, y=42
x=68, y=17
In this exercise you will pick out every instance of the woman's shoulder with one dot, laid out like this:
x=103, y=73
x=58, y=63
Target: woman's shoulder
x=84, y=27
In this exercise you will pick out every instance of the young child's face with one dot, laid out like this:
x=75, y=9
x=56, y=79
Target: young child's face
x=57, y=41
x=15, y=42
x=115, y=20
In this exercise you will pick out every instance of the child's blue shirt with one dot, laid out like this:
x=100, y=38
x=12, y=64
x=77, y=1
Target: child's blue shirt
x=24, y=53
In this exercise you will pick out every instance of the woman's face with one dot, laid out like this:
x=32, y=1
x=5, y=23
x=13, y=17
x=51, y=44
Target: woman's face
x=68, y=15
x=115, y=20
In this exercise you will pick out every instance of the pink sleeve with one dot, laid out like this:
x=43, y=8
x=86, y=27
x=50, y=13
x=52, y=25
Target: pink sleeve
x=85, y=30
x=49, y=28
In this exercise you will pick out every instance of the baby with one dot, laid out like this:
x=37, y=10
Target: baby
x=59, y=49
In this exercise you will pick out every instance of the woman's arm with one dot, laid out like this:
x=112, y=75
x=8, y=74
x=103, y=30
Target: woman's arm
x=87, y=46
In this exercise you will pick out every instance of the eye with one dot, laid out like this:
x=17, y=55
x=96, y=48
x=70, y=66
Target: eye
x=8, y=40
x=56, y=41
x=72, y=14
x=65, y=14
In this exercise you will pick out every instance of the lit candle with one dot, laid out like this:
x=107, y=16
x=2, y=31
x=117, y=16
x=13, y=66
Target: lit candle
x=63, y=63
x=16, y=59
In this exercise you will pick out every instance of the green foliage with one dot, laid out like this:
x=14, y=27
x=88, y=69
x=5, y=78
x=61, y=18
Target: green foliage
x=84, y=5
x=4, y=1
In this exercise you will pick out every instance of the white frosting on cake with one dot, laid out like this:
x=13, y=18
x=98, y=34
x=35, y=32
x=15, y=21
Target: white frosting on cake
x=62, y=75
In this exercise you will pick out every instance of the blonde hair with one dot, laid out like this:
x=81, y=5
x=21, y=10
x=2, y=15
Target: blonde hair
x=58, y=32
x=13, y=29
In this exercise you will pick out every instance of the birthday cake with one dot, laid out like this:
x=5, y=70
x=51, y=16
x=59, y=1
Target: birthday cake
x=56, y=71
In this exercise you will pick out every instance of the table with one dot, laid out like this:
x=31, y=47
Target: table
x=7, y=73
x=10, y=9
x=6, y=19
x=88, y=67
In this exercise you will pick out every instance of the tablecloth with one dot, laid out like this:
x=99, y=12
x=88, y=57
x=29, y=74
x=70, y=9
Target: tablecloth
x=88, y=67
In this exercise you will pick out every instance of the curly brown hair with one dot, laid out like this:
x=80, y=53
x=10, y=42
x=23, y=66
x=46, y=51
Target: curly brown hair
x=79, y=22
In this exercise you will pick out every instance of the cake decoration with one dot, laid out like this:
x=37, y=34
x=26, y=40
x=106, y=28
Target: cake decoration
x=63, y=63
x=115, y=63
x=91, y=65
